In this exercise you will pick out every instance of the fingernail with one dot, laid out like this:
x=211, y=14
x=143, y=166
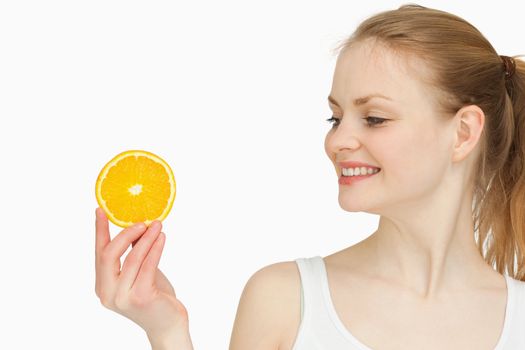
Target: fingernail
x=139, y=225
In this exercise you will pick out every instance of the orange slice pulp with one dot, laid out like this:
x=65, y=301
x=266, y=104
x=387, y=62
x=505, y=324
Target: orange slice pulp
x=135, y=186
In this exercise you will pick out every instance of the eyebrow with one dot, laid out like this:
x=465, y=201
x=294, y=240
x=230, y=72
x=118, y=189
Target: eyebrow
x=360, y=100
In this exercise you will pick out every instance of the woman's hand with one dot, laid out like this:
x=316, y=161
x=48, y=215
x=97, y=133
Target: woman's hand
x=139, y=291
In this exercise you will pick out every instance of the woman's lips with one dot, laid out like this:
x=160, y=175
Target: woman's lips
x=348, y=180
x=351, y=164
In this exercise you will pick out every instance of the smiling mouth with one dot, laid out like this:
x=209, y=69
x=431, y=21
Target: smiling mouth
x=375, y=171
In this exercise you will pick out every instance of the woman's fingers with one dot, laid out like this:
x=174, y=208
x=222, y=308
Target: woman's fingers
x=102, y=229
x=108, y=260
x=101, y=240
x=148, y=271
x=137, y=255
x=121, y=242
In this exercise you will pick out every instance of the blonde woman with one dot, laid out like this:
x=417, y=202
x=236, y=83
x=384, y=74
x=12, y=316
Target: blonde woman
x=428, y=133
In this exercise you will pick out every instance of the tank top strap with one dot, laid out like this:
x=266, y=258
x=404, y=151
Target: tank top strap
x=513, y=336
x=311, y=283
x=518, y=291
x=319, y=329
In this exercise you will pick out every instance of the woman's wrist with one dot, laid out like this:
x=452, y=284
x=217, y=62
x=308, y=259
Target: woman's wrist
x=175, y=340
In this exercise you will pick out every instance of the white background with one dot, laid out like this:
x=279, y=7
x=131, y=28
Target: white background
x=232, y=94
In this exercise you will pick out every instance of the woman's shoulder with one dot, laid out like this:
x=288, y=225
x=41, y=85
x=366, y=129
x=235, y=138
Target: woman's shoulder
x=269, y=307
x=281, y=280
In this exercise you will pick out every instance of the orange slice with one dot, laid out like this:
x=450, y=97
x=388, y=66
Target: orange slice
x=135, y=186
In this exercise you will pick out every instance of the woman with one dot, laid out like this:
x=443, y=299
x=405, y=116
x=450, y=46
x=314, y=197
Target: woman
x=435, y=117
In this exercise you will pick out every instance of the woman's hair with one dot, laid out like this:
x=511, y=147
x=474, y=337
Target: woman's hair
x=467, y=70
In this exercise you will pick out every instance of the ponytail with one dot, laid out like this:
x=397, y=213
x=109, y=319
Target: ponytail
x=501, y=215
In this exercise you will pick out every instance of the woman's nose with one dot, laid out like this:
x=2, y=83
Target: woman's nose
x=342, y=137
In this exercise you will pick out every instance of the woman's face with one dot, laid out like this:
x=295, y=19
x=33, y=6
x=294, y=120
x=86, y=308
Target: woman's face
x=412, y=147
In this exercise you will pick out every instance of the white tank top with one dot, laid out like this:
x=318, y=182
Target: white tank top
x=321, y=328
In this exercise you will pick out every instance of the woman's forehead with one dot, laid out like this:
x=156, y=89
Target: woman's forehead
x=373, y=68
x=363, y=63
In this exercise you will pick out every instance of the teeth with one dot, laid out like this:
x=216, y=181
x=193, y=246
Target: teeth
x=358, y=171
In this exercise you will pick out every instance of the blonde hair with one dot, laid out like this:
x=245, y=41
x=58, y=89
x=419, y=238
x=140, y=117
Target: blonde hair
x=467, y=70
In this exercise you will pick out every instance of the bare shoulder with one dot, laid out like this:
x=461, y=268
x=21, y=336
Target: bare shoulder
x=268, y=314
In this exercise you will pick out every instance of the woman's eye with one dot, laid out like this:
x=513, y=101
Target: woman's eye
x=375, y=120
x=371, y=121
x=333, y=120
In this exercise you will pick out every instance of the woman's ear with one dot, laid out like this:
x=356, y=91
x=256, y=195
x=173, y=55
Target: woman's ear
x=471, y=120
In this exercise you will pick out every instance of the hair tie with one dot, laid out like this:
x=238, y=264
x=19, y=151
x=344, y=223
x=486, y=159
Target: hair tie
x=509, y=65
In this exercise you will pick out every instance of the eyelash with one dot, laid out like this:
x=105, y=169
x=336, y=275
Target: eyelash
x=378, y=121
